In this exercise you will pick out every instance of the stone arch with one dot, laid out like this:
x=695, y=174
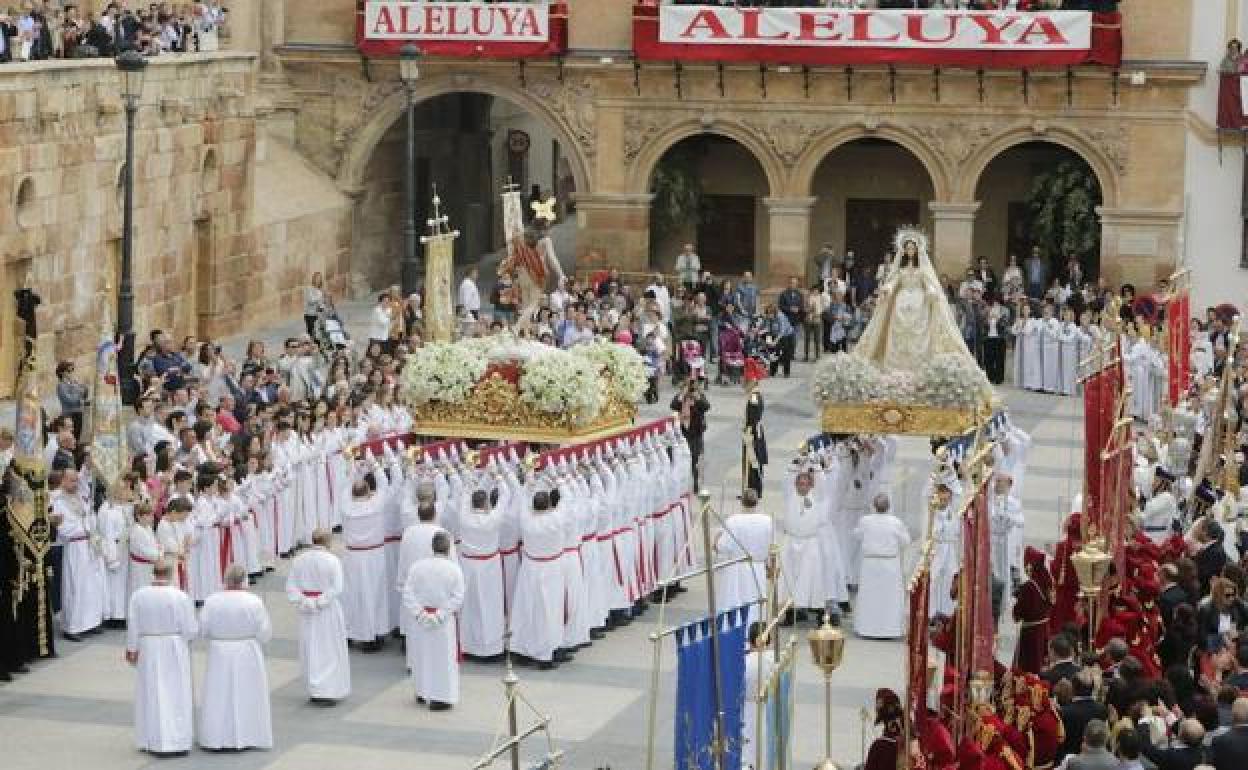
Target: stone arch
x=1098, y=160
x=656, y=148
x=827, y=143
x=366, y=136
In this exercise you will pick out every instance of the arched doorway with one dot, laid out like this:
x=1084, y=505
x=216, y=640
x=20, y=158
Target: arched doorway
x=708, y=190
x=468, y=146
x=864, y=191
x=1039, y=194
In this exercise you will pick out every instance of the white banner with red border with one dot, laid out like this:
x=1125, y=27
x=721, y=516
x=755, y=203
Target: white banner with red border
x=850, y=36
x=477, y=28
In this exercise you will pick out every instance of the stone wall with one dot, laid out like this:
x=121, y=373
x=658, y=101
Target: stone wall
x=62, y=151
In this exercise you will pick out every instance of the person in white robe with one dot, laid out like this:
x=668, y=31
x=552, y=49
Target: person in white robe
x=801, y=561
x=1162, y=509
x=758, y=670
x=748, y=533
x=176, y=535
x=1005, y=516
x=1051, y=350
x=114, y=519
x=856, y=480
x=234, y=695
x=161, y=625
x=144, y=550
x=1028, y=350
x=1010, y=456
x=482, y=622
x=1146, y=372
x=537, y=613
x=1072, y=342
x=365, y=600
x=416, y=544
x=832, y=533
x=205, y=562
x=880, y=609
x=576, y=617
x=946, y=534
x=432, y=594
x=83, y=573
x=314, y=586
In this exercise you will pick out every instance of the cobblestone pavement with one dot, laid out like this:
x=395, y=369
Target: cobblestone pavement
x=79, y=705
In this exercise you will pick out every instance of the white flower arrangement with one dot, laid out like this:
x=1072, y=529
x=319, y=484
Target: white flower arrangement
x=953, y=381
x=442, y=372
x=621, y=363
x=845, y=379
x=560, y=383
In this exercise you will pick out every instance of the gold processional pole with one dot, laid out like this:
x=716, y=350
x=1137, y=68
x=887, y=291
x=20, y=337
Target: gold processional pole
x=439, y=308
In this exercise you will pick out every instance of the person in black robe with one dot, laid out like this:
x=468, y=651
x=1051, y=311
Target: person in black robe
x=754, y=440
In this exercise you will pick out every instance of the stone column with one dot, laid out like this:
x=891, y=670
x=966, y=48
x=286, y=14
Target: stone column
x=617, y=226
x=788, y=241
x=1138, y=246
x=953, y=233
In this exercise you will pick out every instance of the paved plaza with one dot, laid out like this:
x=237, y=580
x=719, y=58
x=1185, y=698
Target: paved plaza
x=77, y=708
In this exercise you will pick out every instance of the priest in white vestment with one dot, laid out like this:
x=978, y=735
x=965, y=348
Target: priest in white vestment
x=801, y=561
x=114, y=519
x=537, y=614
x=161, y=625
x=748, y=533
x=234, y=694
x=365, y=600
x=432, y=595
x=1051, y=350
x=1005, y=516
x=83, y=574
x=880, y=609
x=481, y=621
x=314, y=586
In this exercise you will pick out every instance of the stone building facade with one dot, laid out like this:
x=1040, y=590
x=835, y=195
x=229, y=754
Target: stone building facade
x=257, y=169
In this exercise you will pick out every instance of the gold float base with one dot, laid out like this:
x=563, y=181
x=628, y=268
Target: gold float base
x=495, y=412
x=899, y=419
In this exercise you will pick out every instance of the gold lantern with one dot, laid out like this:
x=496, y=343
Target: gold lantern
x=1092, y=563
x=827, y=648
x=981, y=688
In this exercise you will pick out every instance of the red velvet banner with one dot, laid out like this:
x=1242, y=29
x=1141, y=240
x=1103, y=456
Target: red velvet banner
x=1179, y=337
x=470, y=30
x=1094, y=392
x=976, y=630
x=733, y=28
x=916, y=643
x=1230, y=102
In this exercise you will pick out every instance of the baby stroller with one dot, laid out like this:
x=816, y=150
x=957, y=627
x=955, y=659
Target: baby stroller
x=731, y=355
x=689, y=361
x=331, y=332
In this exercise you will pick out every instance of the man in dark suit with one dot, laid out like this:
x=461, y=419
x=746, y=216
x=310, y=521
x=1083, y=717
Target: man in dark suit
x=1230, y=750
x=1081, y=710
x=1062, y=663
x=1186, y=755
x=1172, y=594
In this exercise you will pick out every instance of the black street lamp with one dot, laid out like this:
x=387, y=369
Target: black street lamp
x=409, y=72
x=131, y=64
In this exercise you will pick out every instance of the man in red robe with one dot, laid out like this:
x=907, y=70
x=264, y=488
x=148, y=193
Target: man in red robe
x=937, y=744
x=1066, y=605
x=1047, y=730
x=1033, y=605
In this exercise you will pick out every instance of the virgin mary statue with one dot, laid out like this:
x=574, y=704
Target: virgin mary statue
x=912, y=320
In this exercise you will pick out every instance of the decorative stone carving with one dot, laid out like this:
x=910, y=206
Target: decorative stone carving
x=639, y=128
x=573, y=101
x=1115, y=143
x=789, y=136
x=955, y=142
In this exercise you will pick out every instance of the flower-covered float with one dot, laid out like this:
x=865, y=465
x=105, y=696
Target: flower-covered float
x=910, y=372
x=507, y=388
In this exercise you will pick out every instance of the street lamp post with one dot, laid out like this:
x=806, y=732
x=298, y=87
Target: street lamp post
x=131, y=64
x=409, y=72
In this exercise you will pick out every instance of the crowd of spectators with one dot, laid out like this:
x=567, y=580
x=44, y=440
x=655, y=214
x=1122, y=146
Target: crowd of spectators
x=53, y=29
